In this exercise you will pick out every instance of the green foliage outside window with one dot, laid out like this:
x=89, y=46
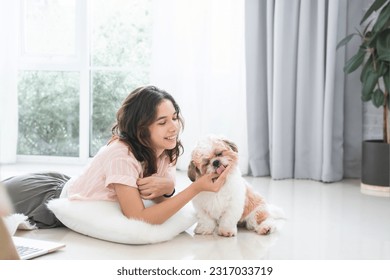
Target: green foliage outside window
x=120, y=61
x=121, y=52
x=48, y=113
x=109, y=90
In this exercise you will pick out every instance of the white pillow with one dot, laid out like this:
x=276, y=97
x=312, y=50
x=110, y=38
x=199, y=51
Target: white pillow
x=104, y=220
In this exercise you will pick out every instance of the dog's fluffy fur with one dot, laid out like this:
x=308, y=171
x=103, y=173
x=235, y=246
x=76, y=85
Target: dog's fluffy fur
x=236, y=204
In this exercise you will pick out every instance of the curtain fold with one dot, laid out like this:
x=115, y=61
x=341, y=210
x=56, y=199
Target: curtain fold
x=259, y=48
x=296, y=90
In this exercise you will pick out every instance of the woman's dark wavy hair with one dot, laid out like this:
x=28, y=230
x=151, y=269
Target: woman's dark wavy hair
x=137, y=113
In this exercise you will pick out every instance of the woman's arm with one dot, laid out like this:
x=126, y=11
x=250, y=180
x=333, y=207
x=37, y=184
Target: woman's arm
x=154, y=187
x=132, y=206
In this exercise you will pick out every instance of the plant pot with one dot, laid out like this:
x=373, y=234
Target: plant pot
x=376, y=168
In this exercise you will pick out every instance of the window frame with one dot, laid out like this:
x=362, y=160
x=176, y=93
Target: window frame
x=77, y=63
x=81, y=63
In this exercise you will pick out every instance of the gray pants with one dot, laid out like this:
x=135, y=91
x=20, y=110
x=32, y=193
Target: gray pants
x=30, y=193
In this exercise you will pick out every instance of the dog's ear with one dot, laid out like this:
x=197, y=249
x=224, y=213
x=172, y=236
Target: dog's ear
x=232, y=145
x=191, y=172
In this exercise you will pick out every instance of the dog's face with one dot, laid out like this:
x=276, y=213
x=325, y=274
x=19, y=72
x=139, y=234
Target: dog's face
x=207, y=157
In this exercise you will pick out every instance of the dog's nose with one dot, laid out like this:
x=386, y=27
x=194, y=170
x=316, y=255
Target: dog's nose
x=216, y=163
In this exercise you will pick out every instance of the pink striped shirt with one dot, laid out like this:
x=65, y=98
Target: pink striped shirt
x=112, y=164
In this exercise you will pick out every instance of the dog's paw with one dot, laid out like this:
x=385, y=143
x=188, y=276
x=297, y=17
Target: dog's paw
x=264, y=230
x=203, y=230
x=227, y=232
x=265, y=227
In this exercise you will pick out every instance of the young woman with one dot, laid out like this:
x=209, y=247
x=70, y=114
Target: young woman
x=137, y=163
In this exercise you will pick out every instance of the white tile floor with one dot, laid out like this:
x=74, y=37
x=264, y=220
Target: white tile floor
x=325, y=222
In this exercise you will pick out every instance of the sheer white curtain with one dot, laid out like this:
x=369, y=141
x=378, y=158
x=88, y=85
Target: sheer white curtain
x=304, y=117
x=8, y=80
x=199, y=57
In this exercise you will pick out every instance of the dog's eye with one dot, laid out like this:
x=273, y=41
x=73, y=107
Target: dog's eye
x=218, y=154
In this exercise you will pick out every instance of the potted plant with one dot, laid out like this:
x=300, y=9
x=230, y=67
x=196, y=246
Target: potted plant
x=373, y=58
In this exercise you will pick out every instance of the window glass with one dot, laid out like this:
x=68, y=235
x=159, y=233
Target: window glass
x=121, y=54
x=121, y=33
x=109, y=90
x=48, y=113
x=49, y=27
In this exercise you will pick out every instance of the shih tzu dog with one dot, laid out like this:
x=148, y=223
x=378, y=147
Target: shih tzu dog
x=235, y=204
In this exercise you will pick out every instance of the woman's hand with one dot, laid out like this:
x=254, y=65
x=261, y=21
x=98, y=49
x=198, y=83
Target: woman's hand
x=154, y=186
x=212, y=182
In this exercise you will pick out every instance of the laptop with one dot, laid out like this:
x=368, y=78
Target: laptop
x=29, y=248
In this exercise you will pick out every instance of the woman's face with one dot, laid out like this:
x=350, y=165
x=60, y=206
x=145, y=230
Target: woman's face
x=165, y=128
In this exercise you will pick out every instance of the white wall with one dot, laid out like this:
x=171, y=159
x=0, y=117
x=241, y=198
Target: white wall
x=8, y=80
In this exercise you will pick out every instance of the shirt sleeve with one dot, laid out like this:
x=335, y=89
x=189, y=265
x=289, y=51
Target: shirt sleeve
x=123, y=171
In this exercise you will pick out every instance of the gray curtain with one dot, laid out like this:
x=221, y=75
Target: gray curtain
x=304, y=113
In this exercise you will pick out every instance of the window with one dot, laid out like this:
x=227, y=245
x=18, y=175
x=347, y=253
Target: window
x=78, y=61
x=120, y=55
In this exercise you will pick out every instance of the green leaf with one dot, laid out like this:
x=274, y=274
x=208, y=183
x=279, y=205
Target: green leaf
x=383, y=45
x=370, y=39
x=382, y=69
x=370, y=82
x=375, y=6
x=367, y=97
x=382, y=19
x=345, y=40
x=368, y=26
x=378, y=98
x=386, y=79
x=355, y=61
x=366, y=68
x=385, y=56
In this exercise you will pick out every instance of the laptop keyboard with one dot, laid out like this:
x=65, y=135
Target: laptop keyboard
x=23, y=251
